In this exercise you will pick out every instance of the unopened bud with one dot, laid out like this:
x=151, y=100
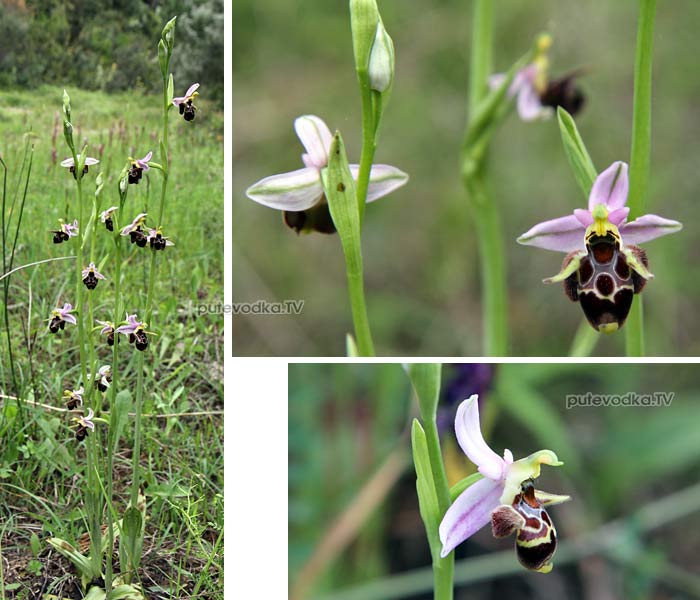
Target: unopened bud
x=381, y=60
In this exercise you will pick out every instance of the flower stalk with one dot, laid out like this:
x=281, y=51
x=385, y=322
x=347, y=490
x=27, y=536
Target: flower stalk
x=640, y=159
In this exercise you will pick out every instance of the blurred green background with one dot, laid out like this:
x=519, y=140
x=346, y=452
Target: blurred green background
x=421, y=268
x=354, y=523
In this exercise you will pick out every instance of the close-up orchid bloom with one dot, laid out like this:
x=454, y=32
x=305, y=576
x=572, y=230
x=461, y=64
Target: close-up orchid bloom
x=537, y=95
x=185, y=103
x=73, y=398
x=108, y=330
x=157, y=240
x=103, y=379
x=69, y=163
x=61, y=316
x=505, y=487
x=300, y=193
x=603, y=268
x=138, y=166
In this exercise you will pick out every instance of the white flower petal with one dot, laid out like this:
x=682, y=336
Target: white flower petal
x=294, y=191
x=383, y=179
x=468, y=513
x=316, y=138
x=468, y=431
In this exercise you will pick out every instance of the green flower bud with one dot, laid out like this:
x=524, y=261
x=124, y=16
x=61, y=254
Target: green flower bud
x=66, y=105
x=381, y=60
x=168, y=33
x=163, y=58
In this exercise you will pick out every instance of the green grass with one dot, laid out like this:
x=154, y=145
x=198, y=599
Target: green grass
x=41, y=466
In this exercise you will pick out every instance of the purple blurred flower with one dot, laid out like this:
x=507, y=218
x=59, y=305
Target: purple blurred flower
x=300, y=193
x=108, y=330
x=73, y=398
x=156, y=240
x=84, y=423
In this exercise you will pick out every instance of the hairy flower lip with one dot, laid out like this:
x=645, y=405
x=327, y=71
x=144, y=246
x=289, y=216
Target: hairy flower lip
x=610, y=189
x=502, y=479
x=303, y=189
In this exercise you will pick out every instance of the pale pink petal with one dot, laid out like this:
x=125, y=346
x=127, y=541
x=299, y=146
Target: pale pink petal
x=647, y=228
x=468, y=431
x=584, y=216
x=529, y=104
x=610, y=187
x=192, y=89
x=564, y=234
x=468, y=513
x=316, y=138
x=69, y=319
x=383, y=179
x=496, y=80
x=618, y=215
x=297, y=190
x=90, y=161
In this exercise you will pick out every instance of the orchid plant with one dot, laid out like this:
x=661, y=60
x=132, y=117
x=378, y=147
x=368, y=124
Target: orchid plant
x=99, y=385
x=329, y=195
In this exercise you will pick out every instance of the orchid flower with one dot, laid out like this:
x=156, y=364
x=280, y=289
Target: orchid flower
x=69, y=163
x=108, y=330
x=135, y=230
x=136, y=330
x=106, y=217
x=603, y=268
x=138, y=166
x=61, y=316
x=156, y=239
x=537, y=95
x=73, y=398
x=84, y=423
x=91, y=276
x=103, y=378
x=184, y=103
x=300, y=193
x=66, y=231
x=502, y=488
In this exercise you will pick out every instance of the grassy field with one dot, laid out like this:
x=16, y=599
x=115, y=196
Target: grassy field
x=355, y=531
x=42, y=469
x=421, y=266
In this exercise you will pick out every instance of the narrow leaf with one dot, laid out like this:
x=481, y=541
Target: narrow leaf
x=579, y=160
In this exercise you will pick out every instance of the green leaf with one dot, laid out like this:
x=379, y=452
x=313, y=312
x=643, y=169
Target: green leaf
x=351, y=347
x=425, y=486
x=118, y=417
x=579, y=160
x=364, y=17
x=170, y=95
x=425, y=378
x=35, y=544
x=81, y=562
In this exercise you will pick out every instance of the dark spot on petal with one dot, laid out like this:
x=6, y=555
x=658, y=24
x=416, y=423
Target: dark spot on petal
x=603, y=252
x=604, y=284
x=585, y=272
x=621, y=267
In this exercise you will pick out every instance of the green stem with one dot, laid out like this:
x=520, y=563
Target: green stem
x=79, y=289
x=443, y=568
x=489, y=237
x=369, y=145
x=480, y=65
x=356, y=291
x=488, y=223
x=640, y=159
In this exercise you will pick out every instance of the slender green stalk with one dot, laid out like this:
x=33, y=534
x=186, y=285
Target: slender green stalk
x=488, y=225
x=369, y=145
x=358, y=306
x=640, y=160
x=443, y=568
